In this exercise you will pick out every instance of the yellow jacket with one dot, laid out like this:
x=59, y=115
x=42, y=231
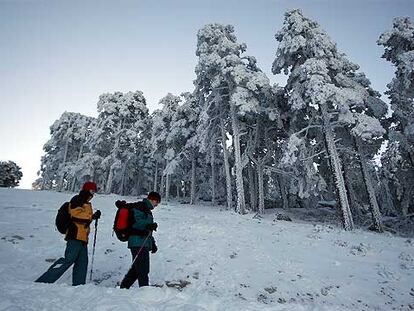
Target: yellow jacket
x=81, y=213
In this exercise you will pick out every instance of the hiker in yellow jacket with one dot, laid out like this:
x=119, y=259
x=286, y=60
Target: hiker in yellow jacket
x=76, y=253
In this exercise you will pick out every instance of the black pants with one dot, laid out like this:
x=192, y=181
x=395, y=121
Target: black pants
x=139, y=269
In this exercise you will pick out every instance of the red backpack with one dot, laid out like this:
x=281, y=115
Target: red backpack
x=123, y=221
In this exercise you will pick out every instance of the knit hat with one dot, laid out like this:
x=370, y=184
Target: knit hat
x=89, y=186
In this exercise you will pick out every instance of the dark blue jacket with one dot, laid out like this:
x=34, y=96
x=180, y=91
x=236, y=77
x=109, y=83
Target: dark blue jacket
x=142, y=217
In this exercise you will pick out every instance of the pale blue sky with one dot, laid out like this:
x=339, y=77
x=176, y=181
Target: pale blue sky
x=61, y=55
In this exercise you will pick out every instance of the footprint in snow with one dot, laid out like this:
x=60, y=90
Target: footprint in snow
x=341, y=243
x=386, y=273
x=106, y=276
x=313, y=236
x=271, y=289
x=180, y=284
x=407, y=261
x=325, y=290
x=263, y=298
x=360, y=250
x=15, y=239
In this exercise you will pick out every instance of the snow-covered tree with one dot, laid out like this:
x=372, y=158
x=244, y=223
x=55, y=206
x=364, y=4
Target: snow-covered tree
x=160, y=151
x=10, y=174
x=214, y=139
x=230, y=84
x=264, y=129
x=182, y=139
x=63, y=150
x=398, y=160
x=326, y=93
x=116, y=140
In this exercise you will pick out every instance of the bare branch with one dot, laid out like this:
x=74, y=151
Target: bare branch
x=279, y=171
x=312, y=156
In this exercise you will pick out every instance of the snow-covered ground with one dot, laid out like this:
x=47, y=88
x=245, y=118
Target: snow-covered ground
x=208, y=259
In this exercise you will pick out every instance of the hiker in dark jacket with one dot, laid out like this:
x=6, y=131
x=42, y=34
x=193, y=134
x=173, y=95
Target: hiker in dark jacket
x=141, y=241
x=76, y=253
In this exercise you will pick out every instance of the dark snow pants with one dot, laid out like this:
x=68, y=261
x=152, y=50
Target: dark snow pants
x=139, y=269
x=76, y=253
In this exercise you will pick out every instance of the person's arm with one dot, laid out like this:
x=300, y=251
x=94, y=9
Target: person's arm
x=80, y=215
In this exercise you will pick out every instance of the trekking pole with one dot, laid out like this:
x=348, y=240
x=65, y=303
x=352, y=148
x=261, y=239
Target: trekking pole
x=139, y=251
x=93, y=250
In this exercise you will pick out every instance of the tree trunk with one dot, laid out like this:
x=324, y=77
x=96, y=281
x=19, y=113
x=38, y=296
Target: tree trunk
x=74, y=179
x=252, y=188
x=122, y=190
x=116, y=145
x=93, y=175
x=260, y=181
x=407, y=199
x=155, y=176
x=193, y=179
x=411, y=157
x=373, y=203
x=45, y=178
x=283, y=193
x=65, y=154
x=337, y=169
x=167, y=187
x=355, y=207
x=162, y=184
x=185, y=190
x=241, y=203
x=387, y=194
x=226, y=164
x=138, y=185
x=213, y=175
x=108, y=187
x=73, y=184
x=178, y=190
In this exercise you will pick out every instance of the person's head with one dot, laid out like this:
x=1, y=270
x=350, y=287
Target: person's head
x=154, y=198
x=89, y=187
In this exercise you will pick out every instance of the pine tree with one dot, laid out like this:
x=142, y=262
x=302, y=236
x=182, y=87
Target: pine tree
x=184, y=140
x=63, y=150
x=122, y=118
x=398, y=161
x=10, y=174
x=326, y=94
x=229, y=82
x=160, y=151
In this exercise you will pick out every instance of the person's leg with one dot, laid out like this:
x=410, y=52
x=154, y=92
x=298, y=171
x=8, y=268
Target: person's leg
x=131, y=275
x=143, y=267
x=80, y=268
x=59, y=267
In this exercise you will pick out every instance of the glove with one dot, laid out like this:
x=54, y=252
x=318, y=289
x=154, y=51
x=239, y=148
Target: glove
x=152, y=227
x=97, y=215
x=154, y=247
x=120, y=204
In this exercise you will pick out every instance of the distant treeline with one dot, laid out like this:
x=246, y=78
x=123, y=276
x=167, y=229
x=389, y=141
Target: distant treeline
x=237, y=140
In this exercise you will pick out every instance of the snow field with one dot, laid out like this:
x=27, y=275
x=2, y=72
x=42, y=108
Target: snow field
x=208, y=259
